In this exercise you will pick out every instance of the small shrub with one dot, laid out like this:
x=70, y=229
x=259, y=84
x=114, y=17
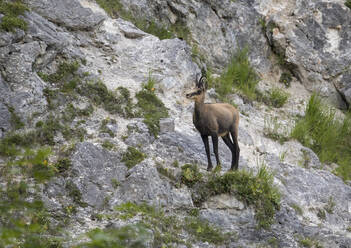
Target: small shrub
x=75, y=194
x=205, y=232
x=105, y=129
x=165, y=171
x=151, y=107
x=11, y=10
x=321, y=214
x=132, y=157
x=277, y=97
x=65, y=72
x=127, y=236
x=16, y=122
x=257, y=190
x=190, y=174
x=275, y=130
x=348, y=4
x=168, y=230
x=108, y=145
x=297, y=209
x=286, y=78
x=306, y=242
x=238, y=74
x=115, y=183
x=329, y=207
x=63, y=164
x=327, y=137
x=115, y=104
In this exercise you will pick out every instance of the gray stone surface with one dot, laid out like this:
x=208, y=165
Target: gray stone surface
x=68, y=13
x=166, y=125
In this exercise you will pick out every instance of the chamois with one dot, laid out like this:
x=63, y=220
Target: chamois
x=215, y=120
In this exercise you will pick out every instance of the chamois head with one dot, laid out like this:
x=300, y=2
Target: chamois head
x=198, y=90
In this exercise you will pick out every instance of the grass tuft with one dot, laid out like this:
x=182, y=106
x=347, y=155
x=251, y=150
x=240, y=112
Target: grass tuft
x=132, y=157
x=328, y=137
x=256, y=190
x=151, y=107
x=348, y=4
x=11, y=10
x=277, y=97
x=238, y=75
x=190, y=175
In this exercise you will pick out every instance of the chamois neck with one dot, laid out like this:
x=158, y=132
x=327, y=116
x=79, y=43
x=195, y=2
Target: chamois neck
x=200, y=105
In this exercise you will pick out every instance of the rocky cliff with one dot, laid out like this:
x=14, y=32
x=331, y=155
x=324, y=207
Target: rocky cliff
x=98, y=148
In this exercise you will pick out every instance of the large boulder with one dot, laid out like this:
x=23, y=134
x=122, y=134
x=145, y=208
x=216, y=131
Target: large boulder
x=68, y=13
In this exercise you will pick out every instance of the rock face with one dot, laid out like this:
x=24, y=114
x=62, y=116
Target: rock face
x=312, y=37
x=218, y=28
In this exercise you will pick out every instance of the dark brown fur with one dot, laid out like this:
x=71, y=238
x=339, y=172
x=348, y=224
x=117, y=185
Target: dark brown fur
x=215, y=120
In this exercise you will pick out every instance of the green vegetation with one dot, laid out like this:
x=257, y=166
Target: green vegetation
x=190, y=175
x=167, y=229
x=240, y=75
x=297, y=209
x=151, y=107
x=108, y=145
x=16, y=122
x=328, y=137
x=75, y=194
x=165, y=171
x=306, y=242
x=132, y=157
x=43, y=134
x=11, y=11
x=329, y=207
x=348, y=4
x=115, y=104
x=65, y=72
x=256, y=190
x=115, y=9
x=124, y=237
x=276, y=97
x=286, y=78
x=115, y=183
x=24, y=223
x=105, y=129
x=275, y=130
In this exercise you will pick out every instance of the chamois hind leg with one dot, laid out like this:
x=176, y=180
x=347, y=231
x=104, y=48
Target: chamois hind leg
x=207, y=148
x=215, y=148
x=234, y=134
x=230, y=144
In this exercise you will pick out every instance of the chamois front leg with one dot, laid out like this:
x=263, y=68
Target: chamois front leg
x=215, y=147
x=207, y=148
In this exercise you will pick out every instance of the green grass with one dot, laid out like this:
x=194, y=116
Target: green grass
x=190, y=175
x=115, y=103
x=105, y=129
x=286, y=78
x=24, y=223
x=327, y=136
x=276, y=97
x=65, y=72
x=11, y=10
x=275, y=130
x=108, y=145
x=238, y=75
x=115, y=9
x=150, y=107
x=167, y=230
x=129, y=236
x=256, y=190
x=348, y=4
x=132, y=157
